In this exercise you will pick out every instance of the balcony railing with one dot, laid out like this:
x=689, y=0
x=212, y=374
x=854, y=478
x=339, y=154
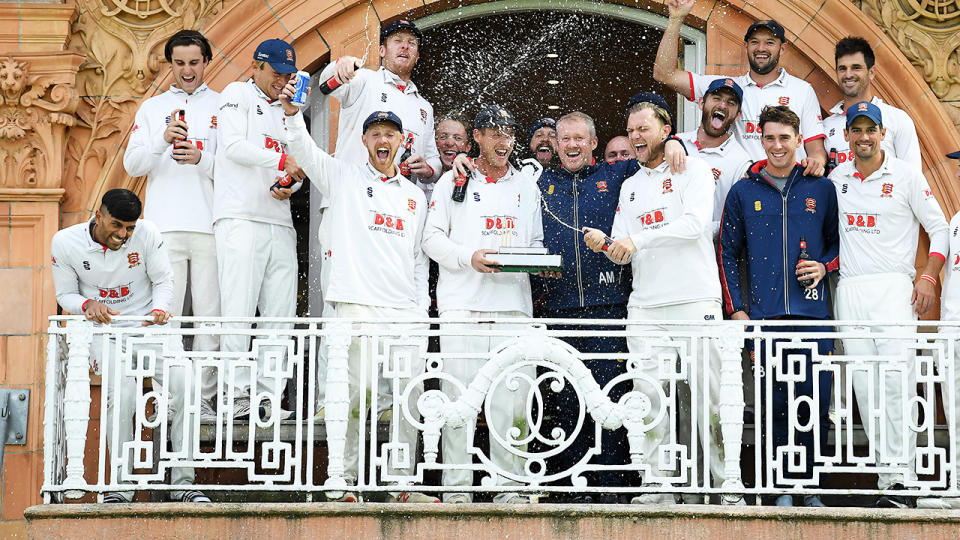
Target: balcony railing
x=527, y=364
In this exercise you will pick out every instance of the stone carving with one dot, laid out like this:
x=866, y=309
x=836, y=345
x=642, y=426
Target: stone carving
x=928, y=33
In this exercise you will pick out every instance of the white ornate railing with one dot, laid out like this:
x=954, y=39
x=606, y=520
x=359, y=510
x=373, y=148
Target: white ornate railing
x=529, y=365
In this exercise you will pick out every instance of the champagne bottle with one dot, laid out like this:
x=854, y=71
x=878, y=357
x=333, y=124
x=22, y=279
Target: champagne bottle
x=804, y=256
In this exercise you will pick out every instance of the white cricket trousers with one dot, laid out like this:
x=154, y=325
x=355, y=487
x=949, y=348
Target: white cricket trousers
x=504, y=408
x=883, y=297
x=258, y=270
x=398, y=358
x=122, y=364
x=193, y=257
x=650, y=370
x=951, y=387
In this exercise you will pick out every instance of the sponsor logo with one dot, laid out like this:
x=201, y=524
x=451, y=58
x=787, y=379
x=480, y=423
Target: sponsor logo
x=476, y=196
x=886, y=190
x=862, y=107
x=383, y=97
x=411, y=205
x=133, y=259
x=388, y=221
x=213, y=122
x=259, y=111
x=811, y=205
x=499, y=222
x=927, y=193
x=784, y=100
x=651, y=217
x=135, y=128
x=369, y=191
x=954, y=234
x=271, y=144
x=290, y=55
x=833, y=131
x=756, y=206
x=716, y=174
x=956, y=261
x=752, y=127
x=632, y=195
x=667, y=186
x=230, y=106
x=862, y=220
x=86, y=265
x=601, y=186
x=709, y=317
x=116, y=292
x=844, y=188
x=550, y=190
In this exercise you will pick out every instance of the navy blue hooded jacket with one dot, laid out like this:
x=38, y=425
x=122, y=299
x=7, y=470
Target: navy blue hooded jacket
x=587, y=198
x=768, y=224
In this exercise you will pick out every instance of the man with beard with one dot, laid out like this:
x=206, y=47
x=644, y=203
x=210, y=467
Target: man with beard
x=501, y=208
x=855, y=72
x=711, y=141
x=882, y=202
x=542, y=141
x=665, y=216
x=618, y=149
x=765, y=84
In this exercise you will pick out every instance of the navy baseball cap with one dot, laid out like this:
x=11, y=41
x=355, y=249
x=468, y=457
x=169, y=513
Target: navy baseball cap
x=649, y=97
x=954, y=155
x=382, y=116
x=494, y=116
x=771, y=25
x=541, y=123
x=864, y=108
x=279, y=54
x=397, y=26
x=728, y=84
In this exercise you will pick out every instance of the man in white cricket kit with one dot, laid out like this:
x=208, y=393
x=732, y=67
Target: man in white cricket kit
x=950, y=311
x=855, y=72
x=256, y=242
x=376, y=220
x=115, y=264
x=177, y=158
x=501, y=208
x=882, y=202
x=765, y=84
x=663, y=226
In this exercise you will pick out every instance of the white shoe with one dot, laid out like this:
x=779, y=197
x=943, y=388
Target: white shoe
x=511, y=498
x=412, y=497
x=346, y=497
x=653, y=499
x=458, y=498
x=732, y=499
x=938, y=503
x=266, y=414
x=207, y=413
x=241, y=408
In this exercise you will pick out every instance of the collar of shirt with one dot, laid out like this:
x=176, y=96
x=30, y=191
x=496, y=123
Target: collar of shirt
x=658, y=169
x=378, y=177
x=691, y=137
x=261, y=95
x=391, y=78
x=838, y=108
x=200, y=89
x=92, y=244
x=479, y=176
x=778, y=81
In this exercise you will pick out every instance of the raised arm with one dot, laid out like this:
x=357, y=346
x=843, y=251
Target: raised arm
x=665, y=69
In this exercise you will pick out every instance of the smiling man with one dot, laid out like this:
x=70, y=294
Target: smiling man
x=177, y=157
x=452, y=139
x=542, y=142
x=618, y=149
x=765, y=84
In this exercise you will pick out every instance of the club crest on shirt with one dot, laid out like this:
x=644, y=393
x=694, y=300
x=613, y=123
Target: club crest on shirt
x=601, y=186
x=811, y=205
x=886, y=190
x=667, y=186
x=784, y=100
x=213, y=122
x=423, y=115
x=411, y=205
x=716, y=174
x=133, y=259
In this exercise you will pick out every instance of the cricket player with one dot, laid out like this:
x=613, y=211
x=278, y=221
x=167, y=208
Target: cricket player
x=856, y=69
x=256, y=242
x=618, y=149
x=177, y=157
x=501, y=208
x=765, y=84
x=116, y=265
x=882, y=203
x=663, y=227
x=767, y=217
x=452, y=139
x=542, y=142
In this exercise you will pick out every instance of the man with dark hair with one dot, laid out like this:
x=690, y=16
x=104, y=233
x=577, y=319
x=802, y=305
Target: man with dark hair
x=115, y=265
x=256, y=241
x=765, y=84
x=666, y=216
x=542, y=141
x=855, y=72
x=882, y=203
x=173, y=144
x=769, y=218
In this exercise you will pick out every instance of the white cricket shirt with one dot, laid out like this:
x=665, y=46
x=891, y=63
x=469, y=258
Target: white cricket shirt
x=900, y=142
x=785, y=90
x=381, y=90
x=669, y=218
x=880, y=217
x=494, y=214
x=133, y=280
x=950, y=297
x=252, y=139
x=375, y=227
x=179, y=197
x=728, y=163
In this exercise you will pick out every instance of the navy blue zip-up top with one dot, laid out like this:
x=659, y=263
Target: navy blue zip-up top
x=768, y=224
x=586, y=198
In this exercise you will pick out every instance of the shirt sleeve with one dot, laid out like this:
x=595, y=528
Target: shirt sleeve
x=421, y=268
x=158, y=270
x=831, y=231
x=811, y=120
x=619, y=228
x=697, y=213
x=319, y=166
x=731, y=244
x=347, y=94
x=928, y=212
x=145, y=148
x=436, y=240
x=905, y=142
x=699, y=84
x=536, y=219
x=233, y=132
x=430, y=154
x=66, y=281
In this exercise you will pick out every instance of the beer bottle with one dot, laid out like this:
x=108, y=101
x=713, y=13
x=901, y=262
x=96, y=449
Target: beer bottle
x=407, y=152
x=831, y=162
x=283, y=182
x=460, y=187
x=804, y=256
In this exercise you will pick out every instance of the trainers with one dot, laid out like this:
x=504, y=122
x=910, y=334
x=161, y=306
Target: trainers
x=346, y=497
x=511, y=498
x=412, y=497
x=191, y=496
x=813, y=501
x=208, y=415
x=784, y=500
x=732, y=499
x=113, y=498
x=939, y=503
x=458, y=498
x=896, y=501
x=241, y=408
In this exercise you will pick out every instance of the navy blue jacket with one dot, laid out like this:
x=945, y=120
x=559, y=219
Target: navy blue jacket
x=587, y=198
x=768, y=224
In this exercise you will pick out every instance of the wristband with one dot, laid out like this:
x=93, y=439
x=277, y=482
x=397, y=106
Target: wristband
x=83, y=306
x=283, y=161
x=929, y=278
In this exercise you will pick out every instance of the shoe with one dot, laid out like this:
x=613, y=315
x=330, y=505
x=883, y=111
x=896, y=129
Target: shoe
x=266, y=414
x=511, y=498
x=732, y=499
x=938, y=503
x=114, y=498
x=412, y=497
x=192, y=496
x=784, y=500
x=208, y=415
x=458, y=498
x=896, y=501
x=813, y=501
x=241, y=408
x=653, y=499
x=346, y=497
